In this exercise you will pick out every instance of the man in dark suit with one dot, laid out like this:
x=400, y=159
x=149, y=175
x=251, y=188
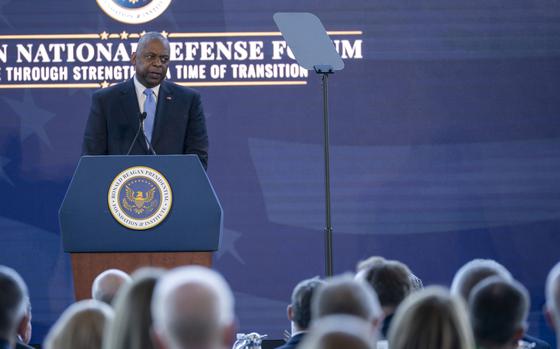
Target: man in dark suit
x=299, y=311
x=174, y=119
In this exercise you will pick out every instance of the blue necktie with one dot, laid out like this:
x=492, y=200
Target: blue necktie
x=150, y=110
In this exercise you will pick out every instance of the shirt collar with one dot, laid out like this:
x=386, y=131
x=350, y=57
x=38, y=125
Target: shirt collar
x=140, y=88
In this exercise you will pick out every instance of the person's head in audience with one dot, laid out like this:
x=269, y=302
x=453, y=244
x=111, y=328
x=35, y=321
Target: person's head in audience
x=193, y=307
x=470, y=274
x=363, y=265
x=107, y=284
x=391, y=282
x=552, y=306
x=13, y=293
x=498, y=311
x=82, y=326
x=340, y=332
x=299, y=310
x=431, y=318
x=133, y=315
x=25, y=329
x=344, y=295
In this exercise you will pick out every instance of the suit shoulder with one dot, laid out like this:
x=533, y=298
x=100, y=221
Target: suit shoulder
x=111, y=90
x=183, y=90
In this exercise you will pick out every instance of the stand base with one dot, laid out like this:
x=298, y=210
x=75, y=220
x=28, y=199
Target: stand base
x=86, y=266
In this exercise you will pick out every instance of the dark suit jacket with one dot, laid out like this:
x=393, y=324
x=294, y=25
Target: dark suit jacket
x=20, y=345
x=293, y=342
x=179, y=128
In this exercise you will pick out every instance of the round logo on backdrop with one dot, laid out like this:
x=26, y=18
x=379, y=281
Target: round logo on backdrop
x=140, y=198
x=133, y=11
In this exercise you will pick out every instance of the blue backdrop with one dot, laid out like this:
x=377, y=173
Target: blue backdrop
x=445, y=132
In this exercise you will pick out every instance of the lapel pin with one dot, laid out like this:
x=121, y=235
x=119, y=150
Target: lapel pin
x=168, y=98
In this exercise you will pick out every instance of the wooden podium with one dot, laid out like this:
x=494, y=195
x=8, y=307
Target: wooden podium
x=97, y=241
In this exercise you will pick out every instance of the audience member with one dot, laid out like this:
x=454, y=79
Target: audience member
x=107, y=284
x=552, y=306
x=472, y=273
x=133, y=316
x=80, y=326
x=299, y=310
x=344, y=295
x=24, y=329
x=498, y=311
x=339, y=332
x=391, y=282
x=431, y=318
x=13, y=294
x=193, y=307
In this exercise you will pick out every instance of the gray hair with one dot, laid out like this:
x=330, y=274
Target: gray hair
x=149, y=36
x=470, y=274
x=340, y=331
x=190, y=305
x=344, y=295
x=107, y=284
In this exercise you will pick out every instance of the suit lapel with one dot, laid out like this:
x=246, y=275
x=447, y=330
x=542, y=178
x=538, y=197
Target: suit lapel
x=165, y=99
x=131, y=110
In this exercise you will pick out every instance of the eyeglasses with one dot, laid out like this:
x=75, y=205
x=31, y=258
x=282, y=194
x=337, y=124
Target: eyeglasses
x=151, y=58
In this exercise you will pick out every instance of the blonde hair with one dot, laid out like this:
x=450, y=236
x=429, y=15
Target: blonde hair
x=133, y=316
x=80, y=326
x=431, y=318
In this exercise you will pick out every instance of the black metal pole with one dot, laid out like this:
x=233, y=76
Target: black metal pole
x=328, y=226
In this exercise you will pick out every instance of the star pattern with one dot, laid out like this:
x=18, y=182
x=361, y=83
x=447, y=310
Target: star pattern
x=3, y=175
x=33, y=118
x=123, y=35
x=4, y=3
x=229, y=238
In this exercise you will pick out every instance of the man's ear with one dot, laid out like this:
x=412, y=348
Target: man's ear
x=133, y=58
x=290, y=312
x=157, y=341
x=549, y=316
x=229, y=335
x=518, y=334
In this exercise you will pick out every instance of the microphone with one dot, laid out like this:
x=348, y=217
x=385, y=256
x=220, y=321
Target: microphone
x=150, y=148
x=140, y=128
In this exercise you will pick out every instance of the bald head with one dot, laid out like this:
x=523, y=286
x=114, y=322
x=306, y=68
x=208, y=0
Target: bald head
x=193, y=308
x=470, y=274
x=107, y=284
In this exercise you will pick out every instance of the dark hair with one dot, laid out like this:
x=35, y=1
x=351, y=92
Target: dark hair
x=498, y=308
x=301, y=301
x=13, y=293
x=391, y=282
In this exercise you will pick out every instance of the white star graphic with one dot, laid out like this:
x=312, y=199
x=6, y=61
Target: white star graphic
x=229, y=238
x=33, y=118
x=3, y=175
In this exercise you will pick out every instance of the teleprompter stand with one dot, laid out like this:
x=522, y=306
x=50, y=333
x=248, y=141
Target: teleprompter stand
x=314, y=50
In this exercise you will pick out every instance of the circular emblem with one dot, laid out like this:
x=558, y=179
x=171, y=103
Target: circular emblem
x=140, y=198
x=133, y=11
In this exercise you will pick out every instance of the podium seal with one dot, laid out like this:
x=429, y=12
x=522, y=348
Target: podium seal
x=133, y=11
x=139, y=198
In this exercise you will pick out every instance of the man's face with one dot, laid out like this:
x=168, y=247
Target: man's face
x=151, y=62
